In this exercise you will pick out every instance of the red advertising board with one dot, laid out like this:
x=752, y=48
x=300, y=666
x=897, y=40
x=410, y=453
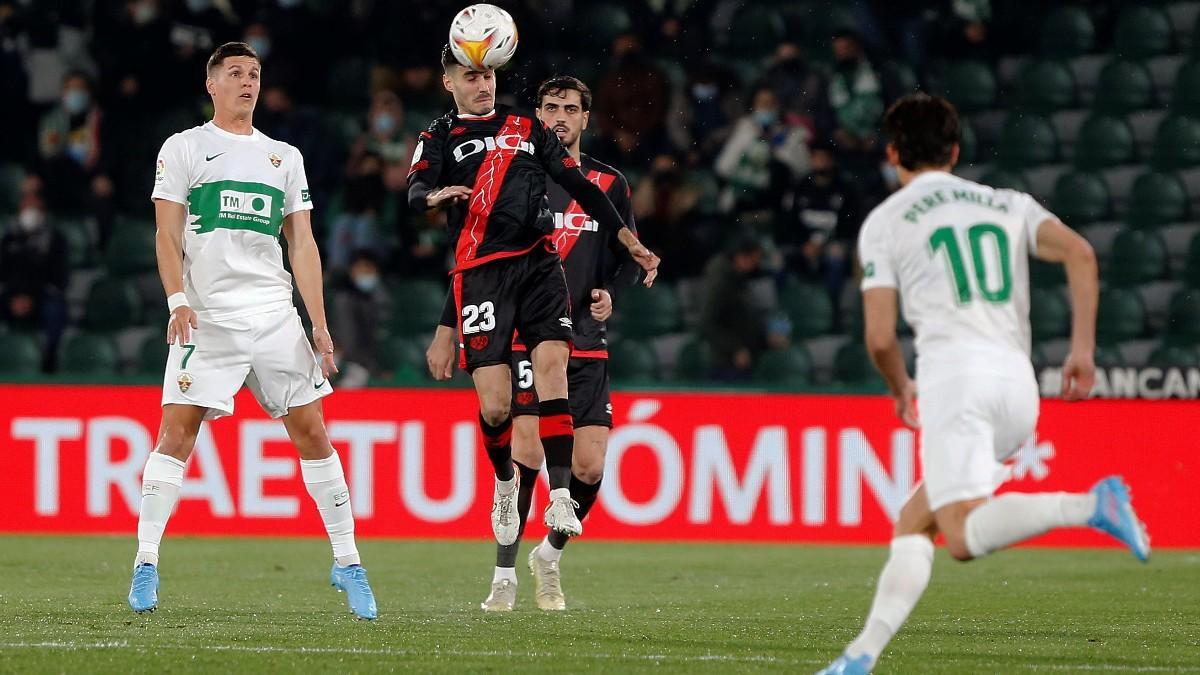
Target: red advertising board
x=681, y=466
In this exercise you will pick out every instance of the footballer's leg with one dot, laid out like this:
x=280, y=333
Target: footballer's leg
x=527, y=455
x=495, y=422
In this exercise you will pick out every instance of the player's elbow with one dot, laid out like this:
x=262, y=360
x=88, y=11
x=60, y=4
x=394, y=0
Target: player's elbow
x=879, y=343
x=1080, y=254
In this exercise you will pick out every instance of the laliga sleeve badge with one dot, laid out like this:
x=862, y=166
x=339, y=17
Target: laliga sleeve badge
x=185, y=382
x=276, y=160
x=160, y=171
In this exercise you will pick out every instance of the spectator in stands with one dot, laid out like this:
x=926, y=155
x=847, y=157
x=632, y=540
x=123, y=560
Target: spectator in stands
x=631, y=107
x=796, y=85
x=762, y=156
x=855, y=96
x=358, y=224
x=279, y=117
x=961, y=30
x=664, y=205
x=385, y=137
x=359, y=308
x=33, y=275
x=818, y=233
x=69, y=141
x=711, y=106
x=734, y=318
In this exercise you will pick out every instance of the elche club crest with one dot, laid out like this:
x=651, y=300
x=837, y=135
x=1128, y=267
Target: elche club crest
x=185, y=382
x=276, y=160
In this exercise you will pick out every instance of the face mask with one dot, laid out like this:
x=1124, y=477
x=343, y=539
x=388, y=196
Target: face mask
x=385, y=123
x=144, y=13
x=260, y=44
x=76, y=101
x=766, y=117
x=704, y=92
x=196, y=6
x=366, y=284
x=30, y=220
x=890, y=175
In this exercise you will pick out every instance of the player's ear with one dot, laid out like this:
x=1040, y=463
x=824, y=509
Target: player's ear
x=538, y=112
x=209, y=86
x=954, y=154
x=587, y=115
x=893, y=155
x=447, y=82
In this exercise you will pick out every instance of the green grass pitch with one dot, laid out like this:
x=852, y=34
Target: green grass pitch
x=264, y=605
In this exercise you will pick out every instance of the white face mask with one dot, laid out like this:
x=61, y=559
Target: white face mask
x=31, y=219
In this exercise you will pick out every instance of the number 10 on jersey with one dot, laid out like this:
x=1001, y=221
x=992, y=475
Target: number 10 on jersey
x=988, y=243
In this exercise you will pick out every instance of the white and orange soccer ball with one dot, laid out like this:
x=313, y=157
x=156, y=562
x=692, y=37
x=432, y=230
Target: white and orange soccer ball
x=483, y=36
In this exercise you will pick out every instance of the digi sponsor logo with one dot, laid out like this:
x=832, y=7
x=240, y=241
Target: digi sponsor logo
x=575, y=222
x=477, y=145
x=245, y=205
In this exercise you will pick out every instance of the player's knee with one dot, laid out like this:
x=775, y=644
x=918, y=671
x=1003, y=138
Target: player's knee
x=175, y=441
x=494, y=412
x=588, y=472
x=956, y=546
x=312, y=440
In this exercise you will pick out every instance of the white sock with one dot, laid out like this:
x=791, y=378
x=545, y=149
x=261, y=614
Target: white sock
x=547, y=552
x=161, y=480
x=903, y=580
x=327, y=486
x=1010, y=518
x=503, y=573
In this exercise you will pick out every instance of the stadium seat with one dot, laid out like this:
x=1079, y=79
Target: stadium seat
x=970, y=85
x=1047, y=86
x=1138, y=256
x=1185, y=98
x=1080, y=197
x=852, y=366
x=1046, y=275
x=1121, y=316
x=92, y=354
x=1183, y=323
x=1124, y=86
x=1109, y=356
x=1191, y=269
x=112, y=304
x=695, y=360
x=809, y=309
x=402, y=359
x=789, y=367
x=417, y=306
x=1011, y=179
x=646, y=312
x=19, y=355
x=1026, y=140
x=152, y=355
x=130, y=252
x=79, y=241
x=755, y=32
x=1169, y=355
x=1049, y=314
x=11, y=177
x=1157, y=198
x=1067, y=31
x=1104, y=141
x=1142, y=32
x=1177, y=143
x=632, y=361
x=968, y=145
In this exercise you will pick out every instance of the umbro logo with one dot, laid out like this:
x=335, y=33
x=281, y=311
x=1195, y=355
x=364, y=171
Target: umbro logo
x=565, y=322
x=209, y=158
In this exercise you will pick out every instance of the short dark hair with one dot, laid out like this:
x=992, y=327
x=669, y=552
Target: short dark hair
x=560, y=83
x=227, y=50
x=924, y=130
x=448, y=57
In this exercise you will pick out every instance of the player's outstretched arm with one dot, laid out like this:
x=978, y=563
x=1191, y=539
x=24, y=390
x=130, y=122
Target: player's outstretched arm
x=879, y=313
x=1058, y=243
x=596, y=204
x=168, y=248
x=306, y=268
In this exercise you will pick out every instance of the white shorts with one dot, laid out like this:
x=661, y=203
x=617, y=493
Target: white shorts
x=267, y=352
x=970, y=425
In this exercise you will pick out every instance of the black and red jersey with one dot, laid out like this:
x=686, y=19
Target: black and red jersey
x=505, y=157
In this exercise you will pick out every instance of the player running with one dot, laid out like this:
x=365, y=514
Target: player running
x=958, y=255
x=223, y=193
x=595, y=266
x=487, y=165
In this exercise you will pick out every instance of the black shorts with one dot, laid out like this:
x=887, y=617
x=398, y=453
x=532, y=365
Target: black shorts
x=587, y=384
x=525, y=293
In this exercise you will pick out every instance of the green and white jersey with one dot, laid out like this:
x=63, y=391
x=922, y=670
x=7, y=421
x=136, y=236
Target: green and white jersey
x=959, y=254
x=237, y=190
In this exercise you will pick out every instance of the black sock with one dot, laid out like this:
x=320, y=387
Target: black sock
x=506, y=556
x=585, y=495
x=497, y=440
x=558, y=440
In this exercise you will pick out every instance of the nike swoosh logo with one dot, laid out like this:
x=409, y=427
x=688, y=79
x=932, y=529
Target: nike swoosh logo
x=209, y=159
x=336, y=504
x=319, y=384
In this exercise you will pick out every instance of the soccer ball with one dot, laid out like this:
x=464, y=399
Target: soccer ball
x=482, y=37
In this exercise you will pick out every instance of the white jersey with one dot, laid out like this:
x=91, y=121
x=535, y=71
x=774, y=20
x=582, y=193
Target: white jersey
x=959, y=253
x=237, y=190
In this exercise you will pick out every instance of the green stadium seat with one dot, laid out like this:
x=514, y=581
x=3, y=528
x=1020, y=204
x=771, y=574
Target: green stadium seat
x=789, y=367
x=1171, y=355
x=1047, y=86
x=1080, y=197
x=1109, y=356
x=112, y=304
x=1124, y=86
x=1011, y=179
x=1191, y=269
x=1049, y=314
x=402, y=359
x=1104, y=141
x=93, y=354
x=152, y=354
x=1157, y=198
x=968, y=145
x=852, y=366
x=11, y=177
x=632, y=361
x=1185, y=99
x=646, y=312
x=130, y=252
x=970, y=85
x=417, y=306
x=1138, y=256
x=755, y=32
x=1177, y=143
x=1043, y=274
x=600, y=24
x=1026, y=140
x=19, y=355
x=695, y=360
x=1183, y=322
x=1121, y=316
x=79, y=241
x=809, y=308
x=1143, y=32
x=1067, y=31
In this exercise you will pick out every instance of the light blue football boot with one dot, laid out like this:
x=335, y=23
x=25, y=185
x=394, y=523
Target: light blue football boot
x=352, y=580
x=143, y=590
x=1114, y=516
x=844, y=665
